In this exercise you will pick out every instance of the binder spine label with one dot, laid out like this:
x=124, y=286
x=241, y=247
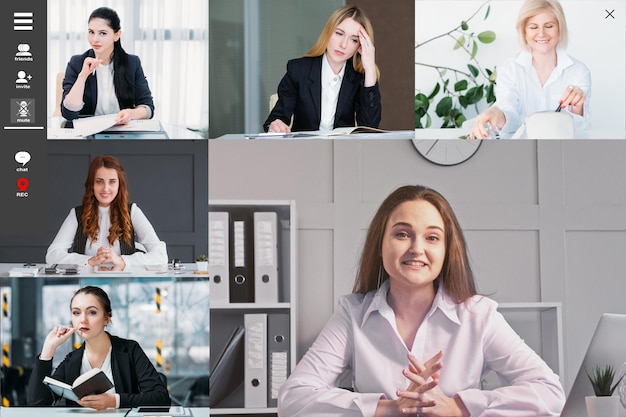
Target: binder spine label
x=217, y=244
x=239, y=244
x=278, y=373
x=265, y=244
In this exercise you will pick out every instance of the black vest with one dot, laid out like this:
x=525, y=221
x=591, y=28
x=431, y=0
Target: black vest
x=80, y=239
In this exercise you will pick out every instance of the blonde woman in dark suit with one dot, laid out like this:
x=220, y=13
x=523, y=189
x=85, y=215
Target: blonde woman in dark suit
x=335, y=84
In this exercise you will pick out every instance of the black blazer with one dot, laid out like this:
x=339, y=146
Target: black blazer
x=300, y=95
x=90, y=96
x=135, y=379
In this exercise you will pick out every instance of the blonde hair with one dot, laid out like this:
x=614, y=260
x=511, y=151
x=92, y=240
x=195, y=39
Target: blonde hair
x=532, y=8
x=335, y=19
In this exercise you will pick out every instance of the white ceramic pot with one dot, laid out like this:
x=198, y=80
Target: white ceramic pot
x=202, y=266
x=602, y=406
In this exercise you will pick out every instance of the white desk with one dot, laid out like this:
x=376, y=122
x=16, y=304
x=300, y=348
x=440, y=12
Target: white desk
x=591, y=133
x=174, y=132
x=186, y=270
x=78, y=411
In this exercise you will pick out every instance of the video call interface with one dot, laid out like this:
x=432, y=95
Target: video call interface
x=23, y=143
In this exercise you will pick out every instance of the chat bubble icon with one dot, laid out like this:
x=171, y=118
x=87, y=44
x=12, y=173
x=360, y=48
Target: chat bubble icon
x=22, y=157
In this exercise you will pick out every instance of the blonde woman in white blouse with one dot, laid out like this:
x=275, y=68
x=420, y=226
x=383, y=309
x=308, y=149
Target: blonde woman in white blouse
x=541, y=77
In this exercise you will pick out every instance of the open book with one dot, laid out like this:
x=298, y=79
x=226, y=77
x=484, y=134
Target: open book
x=351, y=131
x=91, y=382
x=313, y=134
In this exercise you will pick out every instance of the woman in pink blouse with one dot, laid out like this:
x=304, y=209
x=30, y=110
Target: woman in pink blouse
x=415, y=335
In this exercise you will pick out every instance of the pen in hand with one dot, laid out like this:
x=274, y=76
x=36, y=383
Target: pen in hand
x=558, y=108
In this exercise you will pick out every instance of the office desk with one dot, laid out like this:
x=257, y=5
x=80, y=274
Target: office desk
x=395, y=134
x=55, y=124
x=590, y=133
x=186, y=270
x=77, y=411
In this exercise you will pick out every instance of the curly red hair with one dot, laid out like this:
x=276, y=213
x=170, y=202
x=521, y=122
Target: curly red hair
x=119, y=209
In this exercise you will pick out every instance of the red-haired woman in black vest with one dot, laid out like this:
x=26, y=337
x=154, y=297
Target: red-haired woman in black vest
x=104, y=231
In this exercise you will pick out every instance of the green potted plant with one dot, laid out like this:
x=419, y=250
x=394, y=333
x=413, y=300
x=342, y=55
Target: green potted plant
x=202, y=263
x=603, y=403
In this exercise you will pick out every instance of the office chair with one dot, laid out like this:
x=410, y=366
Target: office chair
x=59, y=95
x=273, y=101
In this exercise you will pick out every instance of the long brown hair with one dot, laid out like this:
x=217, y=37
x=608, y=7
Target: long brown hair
x=119, y=210
x=456, y=274
x=338, y=16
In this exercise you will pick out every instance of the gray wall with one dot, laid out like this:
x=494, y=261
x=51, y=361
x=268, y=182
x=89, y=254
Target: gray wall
x=545, y=220
x=167, y=180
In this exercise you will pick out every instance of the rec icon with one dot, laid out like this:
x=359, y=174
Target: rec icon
x=23, y=110
x=22, y=185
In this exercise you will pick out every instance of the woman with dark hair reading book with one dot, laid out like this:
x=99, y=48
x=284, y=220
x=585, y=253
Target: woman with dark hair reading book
x=135, y=381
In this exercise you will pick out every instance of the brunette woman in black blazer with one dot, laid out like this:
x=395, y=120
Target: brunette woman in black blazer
x=105, y=79
x=136, y=382
x=335, y=84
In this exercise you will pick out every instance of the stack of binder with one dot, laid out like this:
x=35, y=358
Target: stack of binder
x=256, y=356
x=243, y=256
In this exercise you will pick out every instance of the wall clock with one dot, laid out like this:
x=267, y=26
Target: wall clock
x=446, y=152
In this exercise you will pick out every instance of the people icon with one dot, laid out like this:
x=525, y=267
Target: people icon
x=23, y=110
x=21, y=78
x=23, y=50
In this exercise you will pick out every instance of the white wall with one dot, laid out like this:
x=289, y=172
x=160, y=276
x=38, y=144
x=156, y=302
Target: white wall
x=593, y=39
x=544, y=220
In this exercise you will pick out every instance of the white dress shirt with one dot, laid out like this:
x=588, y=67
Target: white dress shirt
x=156, y=252
x=519, y=92
x=107, y=100
x=362, y=336
x=106, y=368
x=331, y=84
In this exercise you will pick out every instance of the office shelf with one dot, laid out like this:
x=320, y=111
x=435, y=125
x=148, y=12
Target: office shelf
x=540, y=324
x=226, y=315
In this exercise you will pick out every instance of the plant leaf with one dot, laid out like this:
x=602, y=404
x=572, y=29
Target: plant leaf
x=473, y=70
x=474, y=49
x=487, y=36
x=421, y=104
x=429, y=121
x=459, y=119
x=491, y=97
x=435, y=91
x=460, y=85
x=463, y=101
x=492, y=76
x=474, y=94
x=459, y=42
x=487, y=13
x=464, y=25
x=444, y=106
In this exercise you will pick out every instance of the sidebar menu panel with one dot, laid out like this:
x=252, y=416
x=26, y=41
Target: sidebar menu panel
x=24, y=117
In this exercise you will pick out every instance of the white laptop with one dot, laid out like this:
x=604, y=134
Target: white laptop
x=607, y=347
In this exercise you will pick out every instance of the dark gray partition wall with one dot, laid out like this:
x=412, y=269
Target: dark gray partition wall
x=167, y=179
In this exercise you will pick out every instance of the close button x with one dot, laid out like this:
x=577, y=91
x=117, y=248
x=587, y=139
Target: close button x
x=609, y=13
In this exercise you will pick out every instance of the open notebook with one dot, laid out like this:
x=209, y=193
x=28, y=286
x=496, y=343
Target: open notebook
x=88, y=126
